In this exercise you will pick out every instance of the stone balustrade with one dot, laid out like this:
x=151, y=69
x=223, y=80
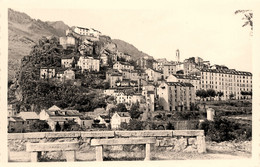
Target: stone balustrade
x=175, y=140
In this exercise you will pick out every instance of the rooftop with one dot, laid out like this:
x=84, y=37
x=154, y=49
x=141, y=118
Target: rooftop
x=227, y=71
x=180, y=84
x=28, y=115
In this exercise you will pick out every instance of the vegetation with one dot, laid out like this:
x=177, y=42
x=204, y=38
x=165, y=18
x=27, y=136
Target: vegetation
x=135, y=111
x=40, y=126
x=206, y=93
x=222, y=129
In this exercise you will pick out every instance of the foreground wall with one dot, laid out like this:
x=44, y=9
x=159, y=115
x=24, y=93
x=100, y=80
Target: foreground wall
x=175, y=140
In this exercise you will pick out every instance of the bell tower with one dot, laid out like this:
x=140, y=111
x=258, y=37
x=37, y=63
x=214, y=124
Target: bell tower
x=177, y=55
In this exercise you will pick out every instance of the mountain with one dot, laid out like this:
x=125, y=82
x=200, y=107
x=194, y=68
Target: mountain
x=59, y=25
x=23, y=33
x=125, y=47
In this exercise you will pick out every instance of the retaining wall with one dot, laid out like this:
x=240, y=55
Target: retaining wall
x=171, y=140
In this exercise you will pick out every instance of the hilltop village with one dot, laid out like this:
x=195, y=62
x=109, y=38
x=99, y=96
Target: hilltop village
x=127, y=89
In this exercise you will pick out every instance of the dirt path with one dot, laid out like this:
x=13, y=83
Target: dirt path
x=224, y=150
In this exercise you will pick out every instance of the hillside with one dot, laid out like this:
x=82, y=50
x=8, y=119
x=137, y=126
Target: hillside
x=23, y=33
x=125, y=47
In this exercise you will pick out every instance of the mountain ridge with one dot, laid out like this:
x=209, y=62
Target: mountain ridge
x=24, y=32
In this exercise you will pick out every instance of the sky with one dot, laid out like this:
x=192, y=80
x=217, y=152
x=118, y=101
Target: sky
x=209, y=30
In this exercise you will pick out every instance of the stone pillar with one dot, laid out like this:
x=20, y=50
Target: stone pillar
x=99, y=153
x=147, y=152
x=70, y=156
x=201, y=144
x=35, y=156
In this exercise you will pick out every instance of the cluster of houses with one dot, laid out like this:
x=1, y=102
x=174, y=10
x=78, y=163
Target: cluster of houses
x=153, y=84
x=56, y=118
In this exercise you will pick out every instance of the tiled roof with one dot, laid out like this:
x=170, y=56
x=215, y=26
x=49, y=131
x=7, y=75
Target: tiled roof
x=64, y=112
x=227, y=71
x=53, y=108
x=15, y=119
x=186, y=77
x=104, y=116
x=180, y=84
x=28, y=115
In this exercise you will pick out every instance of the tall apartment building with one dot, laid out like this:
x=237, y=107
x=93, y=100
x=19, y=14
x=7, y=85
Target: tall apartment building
x=89, y=63
x=228, y=81
x=176, y=96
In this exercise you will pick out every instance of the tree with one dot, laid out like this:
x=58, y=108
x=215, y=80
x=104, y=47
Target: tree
x=220, y=94
x=135, y=125
x=169, y=126
x=135, y=111
x=211, y=93
x=202, y=93
x=121, y=107
x=248, y=17
x=40, y=126
x=231, y=96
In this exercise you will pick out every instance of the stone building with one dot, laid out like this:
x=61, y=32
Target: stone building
x=153, y=75
x=169, y=69
x=47, y=73
x=123, y=66
x=228, y=81
x=194, y=80
x=67, y=62
x=118, y=118
x=88, y=63
x=176, y=96
x=67, y=42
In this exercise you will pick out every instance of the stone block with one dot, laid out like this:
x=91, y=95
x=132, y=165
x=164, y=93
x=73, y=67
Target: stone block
x=70, y=156
x=120, y=141
x=171, y=142
x=15, y=136
x=180, y=144
x=144, y=133
x=188, y=132
x=62, y=134
x=117, y=148
x=100, y=134
x=66, y=146
x=36, y=135
x=190, y=149
x=201, y=144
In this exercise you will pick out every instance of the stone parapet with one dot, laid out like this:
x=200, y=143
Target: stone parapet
x=172, y=140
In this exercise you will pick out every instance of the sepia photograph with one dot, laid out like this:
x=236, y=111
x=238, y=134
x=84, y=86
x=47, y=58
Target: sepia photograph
x=129, y=83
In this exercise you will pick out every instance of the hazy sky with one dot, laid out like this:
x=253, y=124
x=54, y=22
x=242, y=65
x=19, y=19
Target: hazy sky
x=209, y=30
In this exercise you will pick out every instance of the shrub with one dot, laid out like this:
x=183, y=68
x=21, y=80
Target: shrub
x=222, y=129
x=135, y=125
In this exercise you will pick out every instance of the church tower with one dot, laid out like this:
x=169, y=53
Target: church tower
x=177, y=55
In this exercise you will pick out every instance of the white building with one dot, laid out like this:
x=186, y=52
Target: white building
x=118, y=118
x=46, y=73
x=89, y=63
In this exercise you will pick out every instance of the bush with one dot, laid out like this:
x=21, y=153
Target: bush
x=222, y=129
x=135, y=125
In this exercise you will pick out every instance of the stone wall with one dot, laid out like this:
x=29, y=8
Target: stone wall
x=171, y=140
